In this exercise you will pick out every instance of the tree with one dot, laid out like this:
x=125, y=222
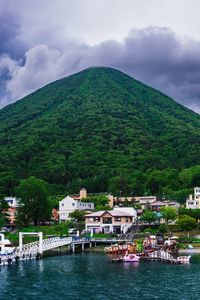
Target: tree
x=194, y=213
x=78, y=215
x=120, y=185
x=3, y=215
x=148, y=216
x=168, y=213
x=34, y=205
x=1, y=220
x=186, y=222
x=3, y=205
x=100, y=202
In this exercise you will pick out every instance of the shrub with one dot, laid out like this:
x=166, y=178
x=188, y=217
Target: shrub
x=162, y=228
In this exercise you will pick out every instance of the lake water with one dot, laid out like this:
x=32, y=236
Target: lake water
x=91, y=276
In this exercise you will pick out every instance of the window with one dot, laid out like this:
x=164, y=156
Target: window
x=107, y=220
x=117, y=219
x=96, y=219
x=73, y=204
x=126, y=219
x=62, y=204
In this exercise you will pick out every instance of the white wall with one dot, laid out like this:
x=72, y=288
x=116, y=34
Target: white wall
x=12, y=201
x=69, y=205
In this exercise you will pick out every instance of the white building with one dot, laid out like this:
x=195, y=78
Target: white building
x=194, y=202
x=69, y=205
x=12, y=201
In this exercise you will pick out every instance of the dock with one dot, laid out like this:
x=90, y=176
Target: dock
x=36, y=249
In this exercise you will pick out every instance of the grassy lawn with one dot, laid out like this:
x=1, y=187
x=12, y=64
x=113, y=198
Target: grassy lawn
x=50, y=230
x=102, y=235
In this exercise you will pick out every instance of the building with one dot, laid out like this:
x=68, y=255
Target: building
x=130, y=210
x=156, y=206
x=121, y=201
x=11, y=212
x=173, y=204
x=145, y=201
x=194, y=202
x=12, y=201
x=82, y=194
x=109, y=221
x=55, y=215
x=11, y=215
x=69, y=205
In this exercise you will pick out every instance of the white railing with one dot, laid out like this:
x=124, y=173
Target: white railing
x=47, y=244
x=31, y=250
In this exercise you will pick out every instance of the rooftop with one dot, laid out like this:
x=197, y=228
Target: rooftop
x=158, y=203
x=113, y=213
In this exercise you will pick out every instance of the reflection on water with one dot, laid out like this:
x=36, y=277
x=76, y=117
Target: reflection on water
x=41, y=265
x=128, y=265
x=92, y=276
x=195, y=259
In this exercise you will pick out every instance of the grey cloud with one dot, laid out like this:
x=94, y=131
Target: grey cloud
x=10, y=41
x=156, y=56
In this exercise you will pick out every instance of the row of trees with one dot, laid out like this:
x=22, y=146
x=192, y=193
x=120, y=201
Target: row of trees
x=172, y=183
x=186, y=219
x=167, y=213
x=35, y=206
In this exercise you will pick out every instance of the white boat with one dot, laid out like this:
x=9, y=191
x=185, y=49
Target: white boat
x=184, y=259
x=130, y=258
x=6, y=250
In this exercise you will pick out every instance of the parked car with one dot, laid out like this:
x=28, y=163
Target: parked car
x=73, y=230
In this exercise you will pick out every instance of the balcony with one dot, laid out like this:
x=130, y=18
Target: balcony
x=107, y=220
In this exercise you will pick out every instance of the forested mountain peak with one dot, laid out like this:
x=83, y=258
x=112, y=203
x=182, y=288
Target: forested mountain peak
x=93, y=127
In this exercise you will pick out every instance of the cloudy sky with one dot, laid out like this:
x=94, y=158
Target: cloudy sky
x=157, y=42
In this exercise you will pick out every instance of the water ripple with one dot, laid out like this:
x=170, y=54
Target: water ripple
x=91, y=276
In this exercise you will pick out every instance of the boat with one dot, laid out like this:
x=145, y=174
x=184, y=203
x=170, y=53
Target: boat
x=184, y=259
x=5, y=246
x=130, y=257
x=6, y=250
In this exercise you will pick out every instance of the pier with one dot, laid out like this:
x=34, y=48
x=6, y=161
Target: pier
x=36, y=249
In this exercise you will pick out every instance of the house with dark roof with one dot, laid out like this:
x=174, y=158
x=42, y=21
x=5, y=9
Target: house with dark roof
x=156, y=206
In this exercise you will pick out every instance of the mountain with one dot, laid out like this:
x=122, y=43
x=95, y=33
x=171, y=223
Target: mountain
x=93, y=128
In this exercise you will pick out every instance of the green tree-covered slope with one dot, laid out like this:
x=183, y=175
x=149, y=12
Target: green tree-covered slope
x=93, y=128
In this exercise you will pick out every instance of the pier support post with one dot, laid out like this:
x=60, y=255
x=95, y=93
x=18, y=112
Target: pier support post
x=40, y=234
x=90, y=244
x=73, y=248
x=20, y=241
x=83, y=247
